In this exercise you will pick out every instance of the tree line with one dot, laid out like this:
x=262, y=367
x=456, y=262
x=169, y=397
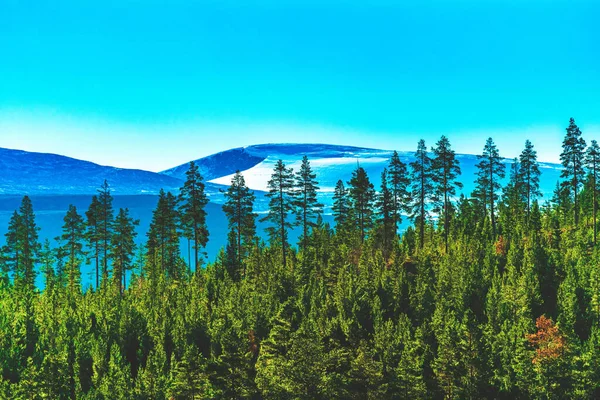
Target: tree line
x=491, y=295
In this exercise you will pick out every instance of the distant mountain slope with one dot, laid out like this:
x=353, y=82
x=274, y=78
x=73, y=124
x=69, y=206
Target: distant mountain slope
x=331, y=163
x=219, y=164
x=23, y=172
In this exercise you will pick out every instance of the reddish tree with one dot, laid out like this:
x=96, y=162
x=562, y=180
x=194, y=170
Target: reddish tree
x=549, y=344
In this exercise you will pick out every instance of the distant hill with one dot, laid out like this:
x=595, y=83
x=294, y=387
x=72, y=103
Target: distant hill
x=23, y=172
x=219, y=164
x=331, y=162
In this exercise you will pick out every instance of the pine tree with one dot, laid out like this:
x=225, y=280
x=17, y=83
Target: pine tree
x=105, y=220
x=529, y=175
x=193, y=200
x=92, y=234
x=307, y=206
x=399, y=183
x=281, y=203
x=73, y=232
x=123, y=247
x=22, y=245
x=592, y=161
x=341, y=205
x=163, y=235
x=421, y=189
x=386, y=209
x=490, y=171
x=47, y=265
x=573, y=159
x=446, y=168
x=362, y=195
x=238, y=207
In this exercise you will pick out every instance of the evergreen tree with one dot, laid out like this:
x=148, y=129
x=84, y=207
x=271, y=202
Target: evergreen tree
x=47, y=265
x=445, y=168
x=385, y=206
x=307, y=206
x=592, y=161
x=399, y=183
x=341, y=205
x=529, y=175
x=73, y=232
x=281, y=203
x=490, y=170
x=92, y=234
x=105, y=221
x=573, y=161
x=163, y=235
x=123, y=247
x=421, y=189
x=238, y=207
x=362, y=195
x=22, y=246
x=193, y=200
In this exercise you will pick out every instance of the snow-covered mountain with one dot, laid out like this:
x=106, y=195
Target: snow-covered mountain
x=23, y=172
x=219, y=164
x=331, y=162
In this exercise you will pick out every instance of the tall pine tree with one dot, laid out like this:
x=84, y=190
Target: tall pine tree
x=307, y=206
x=446, y=168
x=122, y=249
x=105, y=219
x=490, y=170
x=421, y=189
x=529, y=175
x=399, y=181
x=281, y=203
x=573, y=160
x=92, y=235
x=238, y=207
x=73, y=232
x=341, y=205
x=193, y=200
x=362, y=196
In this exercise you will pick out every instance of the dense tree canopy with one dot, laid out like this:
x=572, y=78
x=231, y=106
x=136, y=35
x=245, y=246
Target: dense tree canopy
x=390, y=316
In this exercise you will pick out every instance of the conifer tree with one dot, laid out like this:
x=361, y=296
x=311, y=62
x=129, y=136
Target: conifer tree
x=341, y=206
x=490, y=170
x=362, y=196
x=421, y=189
x=123, y=247
x=592, y=161
x=193, y=200
x=163, y=235
x=446, y=168
x=529, y=175
x=385, y=206
x=307, y=206
x=47, y=265
x=399, y=182
x=92, y=234
x=573, y=161
x=281, y=203
x=73, y=232
x=238, y=207
x=22, y=246
x=105, y=220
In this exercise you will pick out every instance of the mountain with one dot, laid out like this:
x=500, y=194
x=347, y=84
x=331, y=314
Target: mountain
x=23, y=172
x=219, y=164
x=331, y=162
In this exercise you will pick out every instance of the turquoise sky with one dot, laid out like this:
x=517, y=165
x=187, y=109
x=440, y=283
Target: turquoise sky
x=152, y=84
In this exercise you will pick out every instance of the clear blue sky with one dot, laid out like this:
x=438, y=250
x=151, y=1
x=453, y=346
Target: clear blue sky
x=152, y=84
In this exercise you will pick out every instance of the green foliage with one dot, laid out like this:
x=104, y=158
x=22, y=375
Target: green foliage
x=359, y=312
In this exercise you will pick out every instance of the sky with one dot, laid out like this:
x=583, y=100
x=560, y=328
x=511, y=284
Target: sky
x=153, y=84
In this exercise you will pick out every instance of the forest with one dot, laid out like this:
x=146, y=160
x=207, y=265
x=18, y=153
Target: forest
x=495, y=294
